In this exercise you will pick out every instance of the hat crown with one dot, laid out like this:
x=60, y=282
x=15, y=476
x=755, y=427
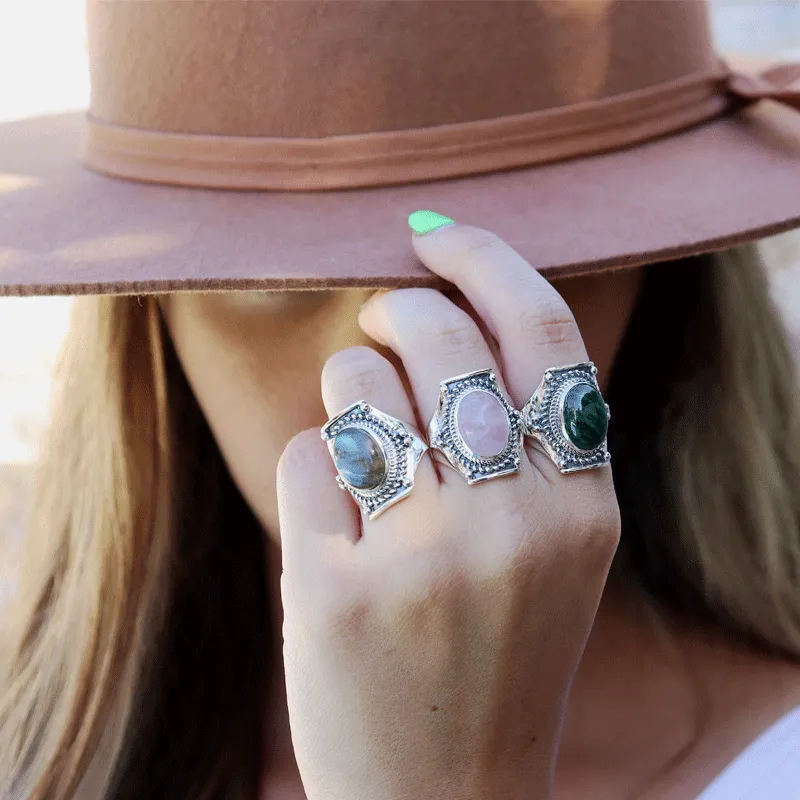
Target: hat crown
x=313, y=69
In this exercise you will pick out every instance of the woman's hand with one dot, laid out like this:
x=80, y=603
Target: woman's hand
x=429, y=652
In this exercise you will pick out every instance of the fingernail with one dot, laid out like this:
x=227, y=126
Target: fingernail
x=426, y=221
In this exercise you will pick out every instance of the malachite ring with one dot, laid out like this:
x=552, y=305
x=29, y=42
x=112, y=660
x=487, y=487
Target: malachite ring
x=475, y=427
x=569, y=418
x=375, y=454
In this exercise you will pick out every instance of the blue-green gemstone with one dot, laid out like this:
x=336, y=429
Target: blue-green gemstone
x=359, y=458
x=585, y=416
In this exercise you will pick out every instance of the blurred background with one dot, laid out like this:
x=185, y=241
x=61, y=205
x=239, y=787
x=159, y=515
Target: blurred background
x=43, y=70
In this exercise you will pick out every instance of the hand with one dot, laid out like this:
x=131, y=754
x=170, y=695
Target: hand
x=429, y=652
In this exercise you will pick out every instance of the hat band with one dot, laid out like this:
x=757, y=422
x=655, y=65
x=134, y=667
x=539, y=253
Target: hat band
x=386, y=158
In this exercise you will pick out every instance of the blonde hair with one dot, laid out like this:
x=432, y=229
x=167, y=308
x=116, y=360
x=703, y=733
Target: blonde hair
x=133, y=598
x=145, y=605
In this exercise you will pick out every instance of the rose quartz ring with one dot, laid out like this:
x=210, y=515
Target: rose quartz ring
x=475, y=427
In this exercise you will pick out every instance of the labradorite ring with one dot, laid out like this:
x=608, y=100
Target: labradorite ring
x=569, y=418
x=375, y=454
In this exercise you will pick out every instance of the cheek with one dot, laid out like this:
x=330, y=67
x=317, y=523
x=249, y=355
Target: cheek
x=257, y=384
x=253, y=412
x=252, y=407
x=602, y=306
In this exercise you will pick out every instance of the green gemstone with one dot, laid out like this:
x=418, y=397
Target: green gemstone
x=585, y=417
x=359, y=458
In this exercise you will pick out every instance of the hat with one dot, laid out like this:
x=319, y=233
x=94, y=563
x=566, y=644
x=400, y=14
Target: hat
x=233, y=144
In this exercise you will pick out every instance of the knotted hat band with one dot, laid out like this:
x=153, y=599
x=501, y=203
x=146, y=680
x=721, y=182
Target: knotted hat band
x=385, y=158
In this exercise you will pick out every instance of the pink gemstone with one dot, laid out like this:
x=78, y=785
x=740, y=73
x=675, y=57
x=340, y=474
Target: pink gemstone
x=483, y=423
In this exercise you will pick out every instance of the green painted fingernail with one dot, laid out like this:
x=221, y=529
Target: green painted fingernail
x=427, y=221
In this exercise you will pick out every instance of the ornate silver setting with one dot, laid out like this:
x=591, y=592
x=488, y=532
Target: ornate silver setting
x=543, y=418
x=444, y=434
x=401, y=449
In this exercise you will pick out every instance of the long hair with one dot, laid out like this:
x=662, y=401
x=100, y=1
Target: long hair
x=145, y=613
x=705, y=436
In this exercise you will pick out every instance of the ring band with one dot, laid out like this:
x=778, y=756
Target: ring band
x=475, y=427
x=569, y=418
x=375, y=454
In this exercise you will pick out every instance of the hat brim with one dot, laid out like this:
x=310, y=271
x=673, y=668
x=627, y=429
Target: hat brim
x=65, y=229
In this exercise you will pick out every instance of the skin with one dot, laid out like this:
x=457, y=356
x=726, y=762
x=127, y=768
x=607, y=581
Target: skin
x=255, y=362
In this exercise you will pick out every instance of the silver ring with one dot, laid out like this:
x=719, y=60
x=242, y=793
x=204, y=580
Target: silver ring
x=569, y=418
x=375, y=454
x=475, y=427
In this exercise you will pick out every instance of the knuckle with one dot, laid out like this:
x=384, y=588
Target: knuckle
x=346, y=618
x=596, y=530
x=431, y=569
x=582, y=534
x=477, y=242
x=521, y=547
x=597, y=510
x=453, y=333
x=423, y=580
x=358, y=368
x=548, y=322
x=335, y=605
x=302, y=448
x=421, y=318
x=604, y=527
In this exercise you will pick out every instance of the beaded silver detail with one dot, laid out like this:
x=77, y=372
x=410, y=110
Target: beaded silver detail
x=444, y=434
x=400, y=445
x=543, y=418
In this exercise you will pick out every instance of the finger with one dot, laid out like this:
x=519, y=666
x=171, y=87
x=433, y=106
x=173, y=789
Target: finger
x=318, y=523
x=532, y=323
x=360, y=373
x=435, y=339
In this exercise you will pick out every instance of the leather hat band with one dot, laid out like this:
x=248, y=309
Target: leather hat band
x=421, y=154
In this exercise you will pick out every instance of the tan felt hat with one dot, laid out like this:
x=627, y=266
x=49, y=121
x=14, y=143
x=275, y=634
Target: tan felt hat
x=252, y=144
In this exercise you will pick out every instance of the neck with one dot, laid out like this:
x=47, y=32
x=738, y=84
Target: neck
x=654, y=691
x=635, y=700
